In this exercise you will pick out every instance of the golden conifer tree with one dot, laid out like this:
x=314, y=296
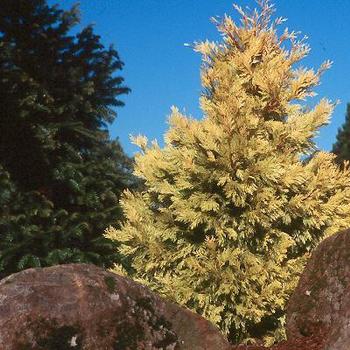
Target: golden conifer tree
x=233, y=204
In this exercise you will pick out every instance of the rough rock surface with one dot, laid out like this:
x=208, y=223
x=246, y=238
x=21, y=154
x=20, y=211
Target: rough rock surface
x=322, y=298
x=83, y=307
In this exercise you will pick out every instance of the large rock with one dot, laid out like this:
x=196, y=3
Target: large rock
x=83, y=307
x=322, y=299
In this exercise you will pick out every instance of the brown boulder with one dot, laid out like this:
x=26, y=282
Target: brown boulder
x=322, y=298
x=83, y=307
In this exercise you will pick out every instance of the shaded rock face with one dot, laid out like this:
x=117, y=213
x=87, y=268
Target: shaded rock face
x=322, y=298
x=83, y=307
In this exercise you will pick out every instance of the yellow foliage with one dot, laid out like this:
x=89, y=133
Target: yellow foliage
x=234, y=203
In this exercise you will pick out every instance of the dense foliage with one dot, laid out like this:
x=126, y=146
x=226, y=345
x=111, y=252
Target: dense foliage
x=233, y=203
x=60, y=174
x=342, y=147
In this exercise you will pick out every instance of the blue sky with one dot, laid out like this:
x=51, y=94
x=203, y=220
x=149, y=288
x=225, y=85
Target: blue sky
x=150, y=35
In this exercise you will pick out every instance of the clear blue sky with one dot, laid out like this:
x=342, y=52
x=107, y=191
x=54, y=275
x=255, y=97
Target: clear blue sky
x=150, y=35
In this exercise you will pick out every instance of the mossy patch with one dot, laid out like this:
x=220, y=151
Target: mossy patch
x=143, y=323
x=129, y=336
x=110, y=283
x=50, y=336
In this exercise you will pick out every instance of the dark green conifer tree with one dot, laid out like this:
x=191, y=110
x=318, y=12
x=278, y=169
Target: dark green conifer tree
x=342, y=146
x=60, y=174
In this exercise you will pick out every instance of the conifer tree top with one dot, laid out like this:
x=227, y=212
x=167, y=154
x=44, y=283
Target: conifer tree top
x=230, y=209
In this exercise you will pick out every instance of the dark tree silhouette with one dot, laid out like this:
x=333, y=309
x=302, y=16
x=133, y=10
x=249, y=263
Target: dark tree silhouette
x=60, y=174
